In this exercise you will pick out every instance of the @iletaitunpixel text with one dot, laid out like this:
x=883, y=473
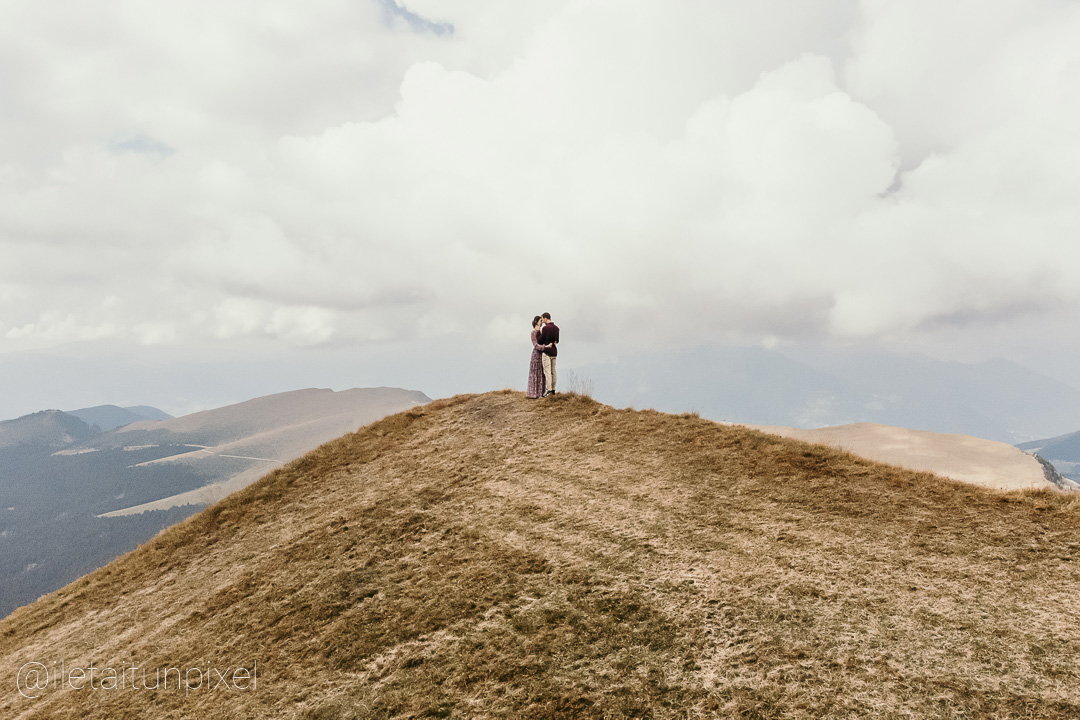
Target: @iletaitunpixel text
x=37, y=678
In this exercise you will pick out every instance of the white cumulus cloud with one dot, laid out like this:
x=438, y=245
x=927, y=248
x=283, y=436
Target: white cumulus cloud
x=349, y=173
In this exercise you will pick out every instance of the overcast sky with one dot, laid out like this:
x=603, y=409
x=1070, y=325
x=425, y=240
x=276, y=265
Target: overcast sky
x=200, y=201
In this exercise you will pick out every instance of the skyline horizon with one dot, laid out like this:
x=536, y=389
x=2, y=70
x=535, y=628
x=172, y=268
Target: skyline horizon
x=243, y=382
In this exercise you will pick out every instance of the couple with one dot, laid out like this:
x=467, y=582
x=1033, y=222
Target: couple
x=545, y=340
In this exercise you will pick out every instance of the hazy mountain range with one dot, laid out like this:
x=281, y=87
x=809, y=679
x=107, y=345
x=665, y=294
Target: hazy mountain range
x=73, y=497
x=240, y=443
x=812, y=388
x=55, y=428
x=110, y=417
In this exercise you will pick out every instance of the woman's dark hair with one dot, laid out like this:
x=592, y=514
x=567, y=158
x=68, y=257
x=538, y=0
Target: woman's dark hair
x=536, y=320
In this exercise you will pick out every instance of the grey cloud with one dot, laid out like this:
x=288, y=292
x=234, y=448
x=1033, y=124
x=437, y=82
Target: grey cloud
x=141, y=144
x=999, y=312
x=657, y=175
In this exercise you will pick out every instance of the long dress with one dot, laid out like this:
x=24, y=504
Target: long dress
x=536, y=386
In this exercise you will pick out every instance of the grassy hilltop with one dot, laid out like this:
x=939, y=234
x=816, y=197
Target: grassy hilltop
x=492, y=557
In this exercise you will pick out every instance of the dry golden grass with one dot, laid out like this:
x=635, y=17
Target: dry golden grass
x=492, y=557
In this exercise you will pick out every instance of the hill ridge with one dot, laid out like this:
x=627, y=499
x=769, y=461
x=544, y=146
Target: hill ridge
x=72, y=498
x=490, y=556
x=110, y=417
x=962, y=457
x=45, y=428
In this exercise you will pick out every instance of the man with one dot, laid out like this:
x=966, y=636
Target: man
x=549, y=334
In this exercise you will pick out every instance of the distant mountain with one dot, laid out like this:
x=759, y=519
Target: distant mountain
x=996, y=399
x=109, y=417
x=961, y=457
x=149, y=413
x=72, y=498
x=45, y=429
x=812, y=387
x=743, y=385
x=237, y=444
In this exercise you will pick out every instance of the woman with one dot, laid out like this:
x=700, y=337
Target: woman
x=536, y=387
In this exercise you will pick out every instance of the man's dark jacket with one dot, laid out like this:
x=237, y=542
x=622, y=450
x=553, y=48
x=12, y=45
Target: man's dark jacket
x=550, y=334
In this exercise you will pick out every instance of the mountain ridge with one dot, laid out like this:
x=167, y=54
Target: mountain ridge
x=249, y=438
x=490, y=555
x=46, y=428
x=110, y=417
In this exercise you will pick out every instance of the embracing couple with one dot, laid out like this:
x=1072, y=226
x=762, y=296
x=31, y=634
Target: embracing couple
x=545, y=341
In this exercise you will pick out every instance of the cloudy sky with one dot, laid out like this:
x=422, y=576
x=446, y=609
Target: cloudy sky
x=202, y=201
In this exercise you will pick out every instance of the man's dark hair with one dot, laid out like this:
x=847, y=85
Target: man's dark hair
x=546, y=316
